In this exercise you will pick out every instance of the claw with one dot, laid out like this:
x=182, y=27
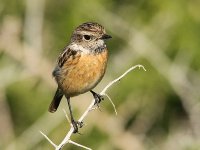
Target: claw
x=80, y=124
x=76, y=125
x=98, y=98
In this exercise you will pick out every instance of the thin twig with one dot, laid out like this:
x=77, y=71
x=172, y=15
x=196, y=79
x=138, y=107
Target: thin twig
x=111, y=103
x=103, y=92
x=50, y=141
x=79, y=145
x=120, y=77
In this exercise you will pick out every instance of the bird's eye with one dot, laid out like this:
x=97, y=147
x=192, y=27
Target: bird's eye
x=87, y=37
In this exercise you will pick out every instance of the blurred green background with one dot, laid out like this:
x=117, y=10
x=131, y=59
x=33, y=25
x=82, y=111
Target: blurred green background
x=157, y=110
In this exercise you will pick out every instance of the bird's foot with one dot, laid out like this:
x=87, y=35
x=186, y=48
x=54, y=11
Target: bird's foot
x=76, y=125
x=98, y=98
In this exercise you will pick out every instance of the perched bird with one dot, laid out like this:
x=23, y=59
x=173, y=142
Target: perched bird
x=81, y=65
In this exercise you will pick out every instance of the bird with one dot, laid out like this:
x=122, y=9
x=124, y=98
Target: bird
x=81, y=66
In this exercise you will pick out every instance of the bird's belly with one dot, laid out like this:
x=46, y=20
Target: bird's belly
x=85, y=75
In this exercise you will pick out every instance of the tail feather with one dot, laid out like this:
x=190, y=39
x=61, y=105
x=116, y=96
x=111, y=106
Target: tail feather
x=56, y=100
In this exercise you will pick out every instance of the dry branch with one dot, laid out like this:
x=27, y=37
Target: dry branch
x=90, y=107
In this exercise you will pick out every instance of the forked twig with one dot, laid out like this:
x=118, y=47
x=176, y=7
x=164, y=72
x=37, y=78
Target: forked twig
x=103, y=92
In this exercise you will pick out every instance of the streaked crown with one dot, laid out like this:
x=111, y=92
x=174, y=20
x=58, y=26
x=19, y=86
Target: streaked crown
x=91, y=27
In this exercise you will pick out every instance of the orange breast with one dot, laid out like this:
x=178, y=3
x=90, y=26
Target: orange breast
x=85, y=74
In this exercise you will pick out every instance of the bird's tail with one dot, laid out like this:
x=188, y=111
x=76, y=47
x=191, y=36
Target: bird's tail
x=56, y=100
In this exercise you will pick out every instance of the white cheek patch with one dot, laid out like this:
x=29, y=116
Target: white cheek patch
x=79, y=48
x=100, y=43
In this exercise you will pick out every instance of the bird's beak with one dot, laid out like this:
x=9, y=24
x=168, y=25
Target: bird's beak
x=105, y=37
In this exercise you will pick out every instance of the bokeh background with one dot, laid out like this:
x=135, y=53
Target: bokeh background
x=157, y=110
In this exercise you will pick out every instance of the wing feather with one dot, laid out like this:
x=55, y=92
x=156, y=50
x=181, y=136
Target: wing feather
x=66, y=55
x=67, y=59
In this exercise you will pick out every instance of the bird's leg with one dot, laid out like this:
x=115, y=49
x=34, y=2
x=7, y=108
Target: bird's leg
x=74, y=123
x=98, y=98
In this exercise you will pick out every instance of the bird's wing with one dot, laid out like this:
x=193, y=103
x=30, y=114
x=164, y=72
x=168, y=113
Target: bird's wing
x=67, y=56
x=67, y=59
